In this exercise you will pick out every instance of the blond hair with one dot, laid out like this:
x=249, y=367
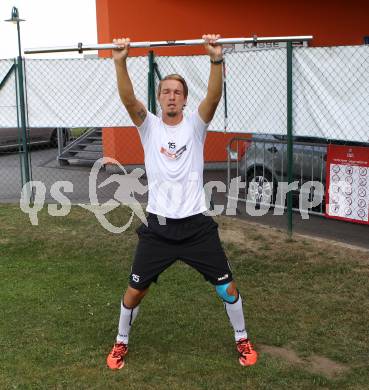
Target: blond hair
x=176, y=77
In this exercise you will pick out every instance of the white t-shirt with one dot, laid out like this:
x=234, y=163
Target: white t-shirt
x=174, y=165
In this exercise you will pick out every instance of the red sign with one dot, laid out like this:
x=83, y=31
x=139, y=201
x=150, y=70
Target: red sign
x=347, y=188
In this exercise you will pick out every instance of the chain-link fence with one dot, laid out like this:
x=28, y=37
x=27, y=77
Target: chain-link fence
x=328, y=98
x=261, y=162
x=73, y=108
x=257, y=91
x=79, y=93
x=331, y=92
x=10, y=172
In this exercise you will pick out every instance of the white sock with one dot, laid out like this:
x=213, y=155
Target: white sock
x=127, y=316
x=235, y=315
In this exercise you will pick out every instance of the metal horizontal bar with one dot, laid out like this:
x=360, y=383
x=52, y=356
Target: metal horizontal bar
x=278, y=207
x=274, y=141
x=190, y=42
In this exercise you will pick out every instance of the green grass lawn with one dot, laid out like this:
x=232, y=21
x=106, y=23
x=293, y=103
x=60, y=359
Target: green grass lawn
x=306, y=305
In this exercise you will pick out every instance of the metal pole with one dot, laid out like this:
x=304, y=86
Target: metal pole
x=149, y=89
x=289, y=135
x=152, y=107
x=25, y=162
x=18, y=119
x=60, y=140
x=225, y=97
x=189, y=42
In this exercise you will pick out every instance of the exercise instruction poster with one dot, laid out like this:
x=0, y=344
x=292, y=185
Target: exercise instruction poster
x=347, y=188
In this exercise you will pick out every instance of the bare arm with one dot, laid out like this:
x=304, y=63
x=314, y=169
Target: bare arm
x=209, y=105
x=135, y=108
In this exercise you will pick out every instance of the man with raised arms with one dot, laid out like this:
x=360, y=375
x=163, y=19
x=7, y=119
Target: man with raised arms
x=177, y=228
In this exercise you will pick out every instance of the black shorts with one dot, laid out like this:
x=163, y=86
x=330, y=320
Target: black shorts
x=194, y=240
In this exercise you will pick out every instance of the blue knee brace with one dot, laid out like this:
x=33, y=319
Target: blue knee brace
x=221, y=290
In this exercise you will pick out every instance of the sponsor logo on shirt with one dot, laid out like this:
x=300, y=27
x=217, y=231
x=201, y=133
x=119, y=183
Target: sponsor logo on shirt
x=223, y=277
x=173, y=155
x=171, y=145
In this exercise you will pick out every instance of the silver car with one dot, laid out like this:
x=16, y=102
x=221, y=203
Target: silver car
x=10, y=137
x=265, y=161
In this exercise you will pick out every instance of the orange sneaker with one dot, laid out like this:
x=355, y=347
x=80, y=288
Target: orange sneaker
x=115, y=359
x=248, y=356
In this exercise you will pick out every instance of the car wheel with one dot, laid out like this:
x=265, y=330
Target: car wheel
x=54, y=138
x=261, y=187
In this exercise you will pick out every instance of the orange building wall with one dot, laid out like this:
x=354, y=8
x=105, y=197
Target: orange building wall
x=330, y=22
x=123, y=144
